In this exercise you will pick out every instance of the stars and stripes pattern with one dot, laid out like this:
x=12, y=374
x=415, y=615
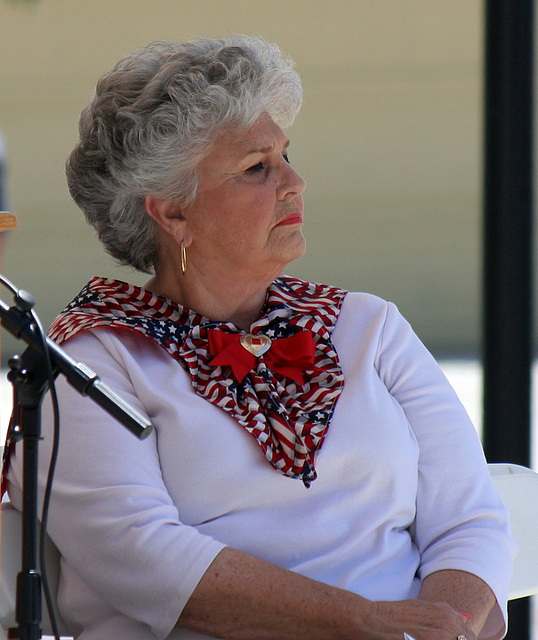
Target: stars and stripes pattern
x=289, y=420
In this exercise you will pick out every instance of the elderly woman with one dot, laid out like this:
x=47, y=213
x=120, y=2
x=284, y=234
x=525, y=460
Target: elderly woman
x=311, y=474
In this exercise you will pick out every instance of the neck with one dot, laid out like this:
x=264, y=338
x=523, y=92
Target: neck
x=239, y=300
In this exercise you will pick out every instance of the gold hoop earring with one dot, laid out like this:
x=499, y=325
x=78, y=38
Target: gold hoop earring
x=183, y=254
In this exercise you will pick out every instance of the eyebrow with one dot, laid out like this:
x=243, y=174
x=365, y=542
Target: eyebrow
x=264, y=149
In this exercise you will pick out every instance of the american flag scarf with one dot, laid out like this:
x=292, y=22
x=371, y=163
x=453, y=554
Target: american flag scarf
x=280, y=382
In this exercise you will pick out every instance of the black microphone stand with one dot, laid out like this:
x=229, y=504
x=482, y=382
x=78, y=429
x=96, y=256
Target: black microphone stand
x=30, y=376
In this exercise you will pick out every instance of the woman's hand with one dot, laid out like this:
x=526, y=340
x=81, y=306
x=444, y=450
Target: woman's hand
x=422, y=620
x=438, y=611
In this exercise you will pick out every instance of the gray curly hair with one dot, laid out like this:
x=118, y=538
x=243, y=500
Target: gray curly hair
x=155, y=116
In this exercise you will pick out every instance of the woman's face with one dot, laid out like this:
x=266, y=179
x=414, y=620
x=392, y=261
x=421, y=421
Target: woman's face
x=248, y=212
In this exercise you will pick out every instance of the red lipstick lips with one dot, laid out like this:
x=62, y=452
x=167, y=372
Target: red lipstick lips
x=293, y=218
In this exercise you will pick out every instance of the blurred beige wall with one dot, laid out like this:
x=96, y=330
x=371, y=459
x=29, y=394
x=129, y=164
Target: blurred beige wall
x=389, y=141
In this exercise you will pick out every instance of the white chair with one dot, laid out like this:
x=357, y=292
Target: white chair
x=518, y=487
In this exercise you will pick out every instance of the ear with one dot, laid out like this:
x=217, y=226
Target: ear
x=168, y=217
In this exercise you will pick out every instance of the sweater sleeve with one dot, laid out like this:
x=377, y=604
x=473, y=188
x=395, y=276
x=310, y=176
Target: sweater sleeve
x=460, y=522
x=111, y=515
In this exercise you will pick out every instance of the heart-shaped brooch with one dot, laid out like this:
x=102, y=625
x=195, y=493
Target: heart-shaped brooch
x=256, y=345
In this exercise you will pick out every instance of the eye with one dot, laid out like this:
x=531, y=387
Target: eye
x=256, y=168
x=260, y=166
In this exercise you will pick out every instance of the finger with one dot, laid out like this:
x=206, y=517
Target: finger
x=466, y=617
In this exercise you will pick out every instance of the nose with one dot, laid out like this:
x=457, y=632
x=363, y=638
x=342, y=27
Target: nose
x=291, y=184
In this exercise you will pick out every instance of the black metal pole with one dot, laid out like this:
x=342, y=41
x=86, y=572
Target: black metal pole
x=508, y=212
x=29, y=579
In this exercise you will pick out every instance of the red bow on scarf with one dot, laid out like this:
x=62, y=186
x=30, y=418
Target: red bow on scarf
x=288, y=356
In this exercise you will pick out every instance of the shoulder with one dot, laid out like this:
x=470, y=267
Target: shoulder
x=352, y=313
x=372, y=326
x=362, y=310
x=366, y=303
x=116, y=349
x=327, y=294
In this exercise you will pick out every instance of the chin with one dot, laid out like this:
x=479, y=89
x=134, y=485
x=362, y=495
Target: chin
x=287, y=251
x=298, y=250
